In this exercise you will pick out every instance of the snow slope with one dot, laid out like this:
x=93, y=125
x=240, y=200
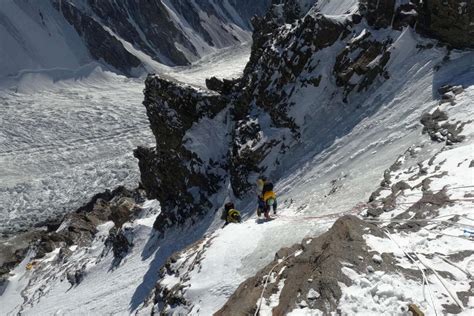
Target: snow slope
x=54, y=35
x=339, y=162
x=106, y=291
x=35, y=36
x=331, y=7
x=336, y=181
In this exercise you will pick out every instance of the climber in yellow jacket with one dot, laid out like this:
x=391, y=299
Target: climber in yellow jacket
x=266, y=197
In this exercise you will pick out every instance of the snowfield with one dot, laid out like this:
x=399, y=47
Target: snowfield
x=62, y=141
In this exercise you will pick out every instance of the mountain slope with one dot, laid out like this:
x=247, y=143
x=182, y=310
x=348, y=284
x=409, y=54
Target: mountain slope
x=129, y=37
x=349, y=114
x=319, y=99
x=354, y=68
x=82, y=137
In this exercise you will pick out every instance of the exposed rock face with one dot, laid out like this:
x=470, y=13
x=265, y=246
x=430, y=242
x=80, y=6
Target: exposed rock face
x=363, y=58
x=272, y=107
x=289, y=55
x=312, y=273
x=178, y=177
x=120, y=241
x=378, y=13
x=285, y=60
x=147, y=25
x=450, y=21
x=77, y=228
x=174, y=32
x=288, y=11
x=437, y=124
x=101, y=45
x=223, y=86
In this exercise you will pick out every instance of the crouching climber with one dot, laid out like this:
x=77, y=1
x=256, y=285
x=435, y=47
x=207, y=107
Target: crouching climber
x=230, y=214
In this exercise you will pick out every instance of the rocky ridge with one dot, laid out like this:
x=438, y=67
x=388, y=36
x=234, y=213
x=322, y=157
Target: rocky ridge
x=176, y=170
x=129, y=37
x=268, y=120
x=75, y=229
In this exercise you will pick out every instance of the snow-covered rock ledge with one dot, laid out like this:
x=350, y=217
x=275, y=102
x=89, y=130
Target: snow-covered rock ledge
x=76, y=229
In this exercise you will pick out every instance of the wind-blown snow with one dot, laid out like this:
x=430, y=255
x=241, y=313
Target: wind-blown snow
x=337, y=7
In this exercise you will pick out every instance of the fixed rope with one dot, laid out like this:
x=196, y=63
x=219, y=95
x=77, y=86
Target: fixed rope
x=359, y=207
x=425, y=279
x=268, y=277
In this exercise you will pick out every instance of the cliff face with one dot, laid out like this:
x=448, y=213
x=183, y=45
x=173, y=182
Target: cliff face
x=171, y=32
x=176, y=172
x=98, y=41
x=176, y=32
x=451, y=21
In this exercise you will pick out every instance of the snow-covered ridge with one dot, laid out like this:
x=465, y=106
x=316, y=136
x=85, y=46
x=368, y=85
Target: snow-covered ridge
x=373, y=87
x=354, y=66
x=419, y=217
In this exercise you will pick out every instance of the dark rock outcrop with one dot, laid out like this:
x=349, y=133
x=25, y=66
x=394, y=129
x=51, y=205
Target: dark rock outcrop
x=436, y=123
x=162, y=31
x=223, y=86
x=450, y=21
x=360, y=63
x=170, y=170
x=120, y=241
x=266, y=122
x=101, y=45
x=131, y=19
x=316, y=267
x=379, y=14
x=76, y=228
x=79, y=228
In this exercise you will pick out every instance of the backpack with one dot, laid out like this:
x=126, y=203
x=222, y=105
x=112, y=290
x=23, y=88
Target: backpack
x=233, y=216
x=269, y=195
